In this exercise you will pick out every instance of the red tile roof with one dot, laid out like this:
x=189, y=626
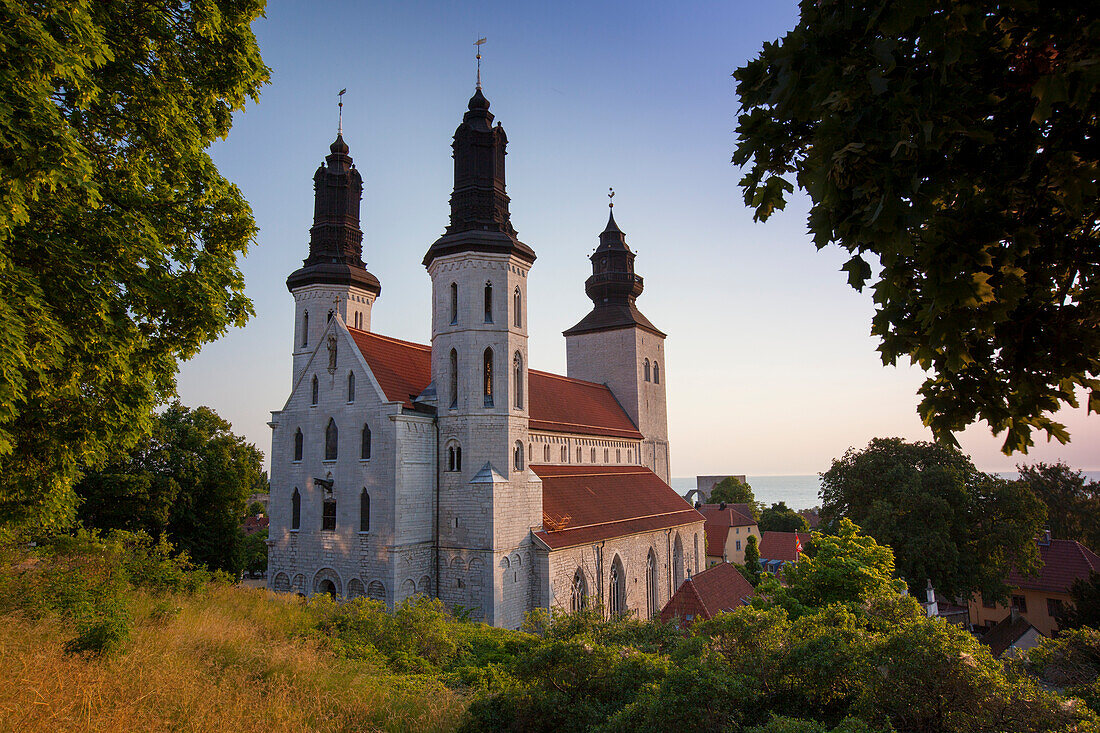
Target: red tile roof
x=719, y=522
x=781, y=545
x=1064, y=561
x=1005, y=633
x=718, y=588
x=593, y=503
x=557, y=404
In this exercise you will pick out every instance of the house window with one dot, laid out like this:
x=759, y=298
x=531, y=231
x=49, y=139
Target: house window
x=488, y=302
x=296, y=510
x=364, y=511
x=988, y=604
x=328, y=515
x=313, y=392
x=616, y=594
x=646, y=370
x=351, y=386
x=517, y=309
x=578, y=595
x=364, y=444
x=738, y=545
x=298, y=441
x=487, y=377
x=454, y=379
x=331, y=438
x=1055, y=608
x=517, y=456
x=454, y=303
x=517, y=375
x=656, y=373
x=1019, y=603
x=305, y=329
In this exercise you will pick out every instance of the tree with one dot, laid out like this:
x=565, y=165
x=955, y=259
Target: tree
x=781, y=518
x=952, y=147
x=202, y=474
x=1073, y=505
x=119, y=239
x=751, y=569
x=946, y=521
x=1085, y=610
x=731, y=490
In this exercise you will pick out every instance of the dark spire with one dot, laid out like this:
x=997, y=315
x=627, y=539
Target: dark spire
x=613, y=286
x=335, y=240
x=479, y=205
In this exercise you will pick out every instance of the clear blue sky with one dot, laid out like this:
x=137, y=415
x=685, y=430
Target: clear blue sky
x=770, y=366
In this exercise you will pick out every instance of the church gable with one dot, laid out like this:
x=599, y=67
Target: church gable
x=336, y=359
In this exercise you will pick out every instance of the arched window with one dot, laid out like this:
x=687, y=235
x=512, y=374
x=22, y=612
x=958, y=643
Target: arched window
x=578, y=455
x=652, y=608
x=517, y=375
x=606, y=456
x=305, y=329
x=332, y=436
x=488, y=377
x=677, y=561
x=546, y=453
x=616, y=591
x=328, y=515
x=364, y=511
x=656, y=373
x=618, y=455
x=454, y=303
x=696, y=552
x=630, y=456
x=313, y=391
x=454, y=457
x=593, y=455
x=646, y=370
x=295, y=510
x=517, y=309
x=454, y=379
x=565, y=454
x=578, y=595
x=517, y=456
x=488, y=302
x=351, y=386
x=298, y=441
x=330, y=314
x=530, y=452
x=364, y=444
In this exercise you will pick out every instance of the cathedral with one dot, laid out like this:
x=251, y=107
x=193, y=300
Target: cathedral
x=453, y=470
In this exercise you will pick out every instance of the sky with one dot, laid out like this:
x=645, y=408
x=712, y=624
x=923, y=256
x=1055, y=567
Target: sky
x=771, y=368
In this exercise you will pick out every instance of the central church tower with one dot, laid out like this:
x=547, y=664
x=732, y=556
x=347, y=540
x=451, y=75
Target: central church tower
x=489, y=500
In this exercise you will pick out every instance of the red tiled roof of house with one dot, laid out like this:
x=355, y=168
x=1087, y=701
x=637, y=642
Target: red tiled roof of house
x=719, y=522
x=557, y=404
x=1006, y=633
x=593, y=503
x=781, y=545
x=718, y=588
x=1064, y=561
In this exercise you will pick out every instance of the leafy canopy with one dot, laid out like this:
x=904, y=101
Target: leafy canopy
x=751, y=568
x=1072, y=502
x=953, y=145
x=781, y=518
x=119, y=239
x=946, y=521
x=731, y=490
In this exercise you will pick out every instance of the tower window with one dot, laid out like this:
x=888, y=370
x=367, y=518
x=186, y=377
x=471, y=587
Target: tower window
x=331, y=438
x=656, y=373
x=593, y=455
x=454, y=303
x=517, y=369
x=351, y=386
x=564, y=454
x=305, y=329
x=546, y=453
x=517, y=456
x=313, y=391
x=646, y=370
x=364, y=444
x=605, y=455
x=488, y=377
x=488, y=302
x=454, y=457
x=618, y=455
x=295, y=510
x=454, y=379
x=517, y=309
x=328, y=515
x=578, y=455
x=629, y=456
x=364, y=511
x=298, y=441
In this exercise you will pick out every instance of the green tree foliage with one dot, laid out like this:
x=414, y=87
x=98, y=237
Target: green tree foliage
x=119, y=239
x=203, y=475
x=732, y=490
x=1072, y=502
x=255, y=552
x=781, y=518
x=953, y=146
x=1085, y=609
x=1070, y=663
x=945, y=520
x=751, y=569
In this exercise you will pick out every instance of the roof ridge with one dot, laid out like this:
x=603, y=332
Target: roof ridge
x=699, y=596
x=384, y=337
x=619, y=521
x=569, y=379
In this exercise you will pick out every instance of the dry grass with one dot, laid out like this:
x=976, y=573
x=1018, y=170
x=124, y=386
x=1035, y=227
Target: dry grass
x=230, y=660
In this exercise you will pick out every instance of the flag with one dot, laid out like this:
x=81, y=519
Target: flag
x=342, y=92
x=797, y=545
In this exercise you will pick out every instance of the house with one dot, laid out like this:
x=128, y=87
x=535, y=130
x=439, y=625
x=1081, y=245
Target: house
x=1040, y=598
x=718, y=588
x=727, y=529
x=779, y=548
x=1011, y=635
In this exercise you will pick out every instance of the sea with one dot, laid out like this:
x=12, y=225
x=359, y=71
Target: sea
x=801, y=491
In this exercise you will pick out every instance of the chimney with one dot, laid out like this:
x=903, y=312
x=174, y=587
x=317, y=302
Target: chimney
x=1044, y=538
x=722, y=506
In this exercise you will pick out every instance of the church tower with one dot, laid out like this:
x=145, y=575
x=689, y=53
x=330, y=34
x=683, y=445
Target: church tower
x=489, y=500
x=618, y=346
x=333, y=279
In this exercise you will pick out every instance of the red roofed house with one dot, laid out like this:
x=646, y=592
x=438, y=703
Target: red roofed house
x=727, y=529
x=1040, y=599
x=452, y=469
x=779, y=548
x=718, y=588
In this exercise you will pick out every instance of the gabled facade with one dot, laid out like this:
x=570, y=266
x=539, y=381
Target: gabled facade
x=453, y=469
x=728, y=527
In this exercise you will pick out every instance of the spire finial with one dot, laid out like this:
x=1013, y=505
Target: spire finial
x=340, y=119
x=478, y=43
x=610, y=198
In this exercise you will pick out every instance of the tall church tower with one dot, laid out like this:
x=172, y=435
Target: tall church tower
x=333, y=279
x=616, y=345
x=489, y=500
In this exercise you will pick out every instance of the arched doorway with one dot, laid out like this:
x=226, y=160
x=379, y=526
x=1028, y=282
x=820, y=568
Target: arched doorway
x=327, y=586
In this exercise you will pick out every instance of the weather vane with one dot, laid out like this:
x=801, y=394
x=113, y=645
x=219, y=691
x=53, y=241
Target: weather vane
x=340, y=122
x=610, y=198
x=479, y=43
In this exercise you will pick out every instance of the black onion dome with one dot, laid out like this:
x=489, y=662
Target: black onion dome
x=478, y=101
x=339, y=147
